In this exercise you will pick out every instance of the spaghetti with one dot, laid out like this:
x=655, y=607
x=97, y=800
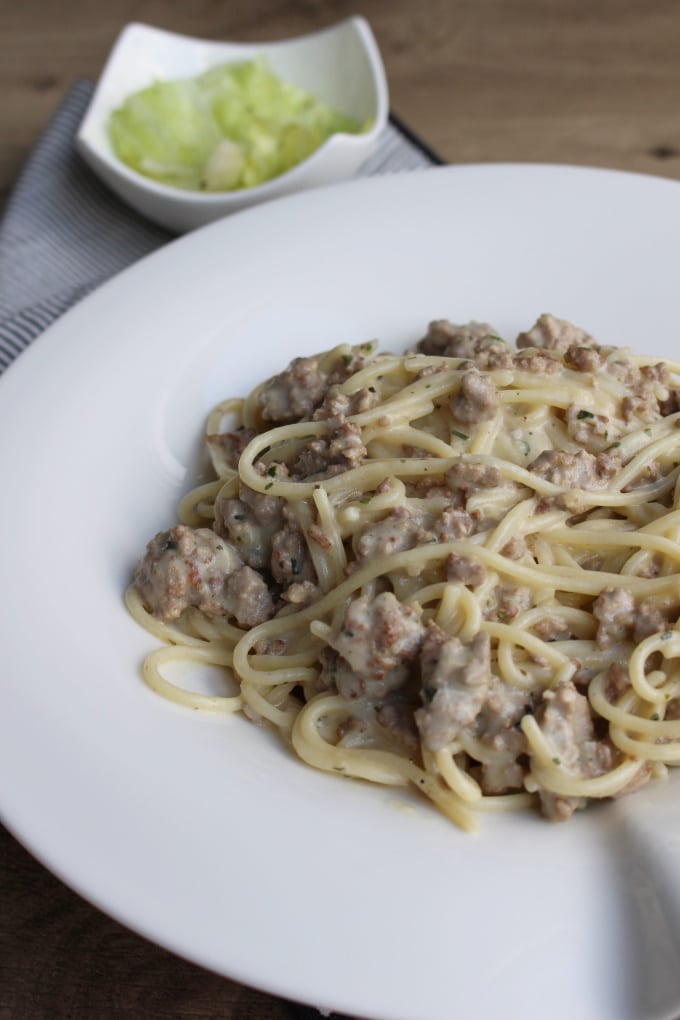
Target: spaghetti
x=456, y=569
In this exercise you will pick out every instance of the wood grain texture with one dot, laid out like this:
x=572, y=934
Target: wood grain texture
x=60, y=959
x=593, y=82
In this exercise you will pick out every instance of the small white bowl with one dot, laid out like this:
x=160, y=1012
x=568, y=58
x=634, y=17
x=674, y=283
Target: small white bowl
x=340, y=65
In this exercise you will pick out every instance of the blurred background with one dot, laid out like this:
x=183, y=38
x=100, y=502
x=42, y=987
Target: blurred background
x=594, y=82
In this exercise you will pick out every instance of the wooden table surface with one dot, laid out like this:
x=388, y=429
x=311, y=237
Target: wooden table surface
x=592, y=82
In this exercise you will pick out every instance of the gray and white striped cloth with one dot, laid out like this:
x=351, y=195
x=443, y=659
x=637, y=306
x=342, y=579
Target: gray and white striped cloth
x=64, y=233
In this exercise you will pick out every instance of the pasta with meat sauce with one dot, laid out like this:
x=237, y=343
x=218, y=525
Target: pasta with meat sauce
x=456, y=569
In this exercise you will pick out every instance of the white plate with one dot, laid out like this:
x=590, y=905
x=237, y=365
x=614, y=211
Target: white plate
x=202, y=833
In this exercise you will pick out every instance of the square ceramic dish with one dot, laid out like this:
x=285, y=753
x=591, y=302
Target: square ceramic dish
x=340, y=65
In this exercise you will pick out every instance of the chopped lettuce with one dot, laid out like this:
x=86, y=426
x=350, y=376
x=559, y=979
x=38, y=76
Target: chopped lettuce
x=234, y=126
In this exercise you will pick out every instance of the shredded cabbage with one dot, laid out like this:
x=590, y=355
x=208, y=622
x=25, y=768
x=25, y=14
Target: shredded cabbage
x=232, y=127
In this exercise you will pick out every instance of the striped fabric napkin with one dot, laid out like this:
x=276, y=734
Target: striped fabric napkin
x=64, y=233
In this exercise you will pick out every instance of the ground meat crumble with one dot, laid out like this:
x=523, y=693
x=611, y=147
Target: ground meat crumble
x=426, y=688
